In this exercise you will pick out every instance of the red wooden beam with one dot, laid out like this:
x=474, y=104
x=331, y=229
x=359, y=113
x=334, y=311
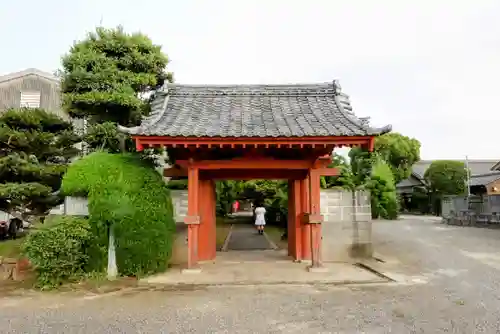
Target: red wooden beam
x=249, y=174
x=252, y=174
x=174, y=172
x=328, y=171
x=248, y=164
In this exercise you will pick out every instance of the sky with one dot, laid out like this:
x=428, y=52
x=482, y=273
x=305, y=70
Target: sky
x=430, y=68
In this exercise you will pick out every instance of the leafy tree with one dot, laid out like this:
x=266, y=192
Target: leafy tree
x=446, y=177
x=106, y=136
x=361, y=164
x=35, y=149
x=227, y=192
x=400, y=152
x=111, y=76
x=345, y=179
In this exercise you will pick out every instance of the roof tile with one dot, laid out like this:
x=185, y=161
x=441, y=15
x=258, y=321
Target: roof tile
x=253, y=111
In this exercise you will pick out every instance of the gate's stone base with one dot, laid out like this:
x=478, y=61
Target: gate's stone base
x=179, y=249
x=347, y=226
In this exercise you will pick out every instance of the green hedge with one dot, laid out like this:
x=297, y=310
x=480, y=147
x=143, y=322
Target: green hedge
x=126, y=192
x=57, y=250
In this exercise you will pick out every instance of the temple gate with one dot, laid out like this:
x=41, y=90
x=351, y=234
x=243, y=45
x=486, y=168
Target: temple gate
x=246, y=132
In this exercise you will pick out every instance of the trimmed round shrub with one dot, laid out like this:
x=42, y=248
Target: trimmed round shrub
x=57, y=250
x=129, y=195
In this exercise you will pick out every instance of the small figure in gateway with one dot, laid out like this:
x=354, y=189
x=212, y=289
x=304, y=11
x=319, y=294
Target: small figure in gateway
x=260, y=220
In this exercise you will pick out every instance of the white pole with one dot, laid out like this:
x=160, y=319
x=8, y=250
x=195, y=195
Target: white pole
x=112, y=267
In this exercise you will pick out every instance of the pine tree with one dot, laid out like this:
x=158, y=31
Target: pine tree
x=35, y=149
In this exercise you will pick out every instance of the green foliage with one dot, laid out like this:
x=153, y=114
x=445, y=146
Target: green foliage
x=58, y=250
x=126, y=192
x=227, y=192
x=110, y=77
x=35, y=148
x=106, y=136
x=105, y=75
x=399, y=151
x=346, y=178
x=180, y=184
x=277, y=204
x=361, y=164
x=384, y=201
x=446, y=177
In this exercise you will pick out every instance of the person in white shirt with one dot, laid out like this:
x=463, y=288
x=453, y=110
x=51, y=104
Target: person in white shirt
x=260, y=220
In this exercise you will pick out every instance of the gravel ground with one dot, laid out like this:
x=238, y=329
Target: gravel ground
x=455, y=289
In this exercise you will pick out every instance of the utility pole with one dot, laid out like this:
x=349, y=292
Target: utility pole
x=467, y=179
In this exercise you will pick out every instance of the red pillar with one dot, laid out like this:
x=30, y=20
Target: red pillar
x=315, y=218
x=213, y=228
x=291, y=220
x=305, y=228
x=206, y=241
x=295, y=197
x=193, y=217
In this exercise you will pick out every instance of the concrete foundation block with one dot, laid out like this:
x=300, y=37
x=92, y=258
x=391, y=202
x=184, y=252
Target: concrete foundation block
x=190, y=271
x=346, y=230
x=321, y=269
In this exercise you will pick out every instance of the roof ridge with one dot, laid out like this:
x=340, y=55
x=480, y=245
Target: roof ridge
x=309, y=89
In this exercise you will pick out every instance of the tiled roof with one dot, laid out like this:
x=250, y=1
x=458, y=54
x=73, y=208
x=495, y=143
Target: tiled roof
x=306, y=110
x=484, y=179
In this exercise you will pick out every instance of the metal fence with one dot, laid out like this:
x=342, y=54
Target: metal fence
x=471, y=210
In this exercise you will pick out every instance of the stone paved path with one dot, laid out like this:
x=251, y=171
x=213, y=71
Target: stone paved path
x=245, y=237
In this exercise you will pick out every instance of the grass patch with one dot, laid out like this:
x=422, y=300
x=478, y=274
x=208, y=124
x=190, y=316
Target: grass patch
x=221, y=234
x=274, y=233
x=11, y=248
x=99, y=283
x=223, y=226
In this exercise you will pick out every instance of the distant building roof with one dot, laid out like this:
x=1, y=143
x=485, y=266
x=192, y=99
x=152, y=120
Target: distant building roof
x=300, y=110
x=496, y=166
x=29, y=71
x=484, y=179
x=477, y=167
